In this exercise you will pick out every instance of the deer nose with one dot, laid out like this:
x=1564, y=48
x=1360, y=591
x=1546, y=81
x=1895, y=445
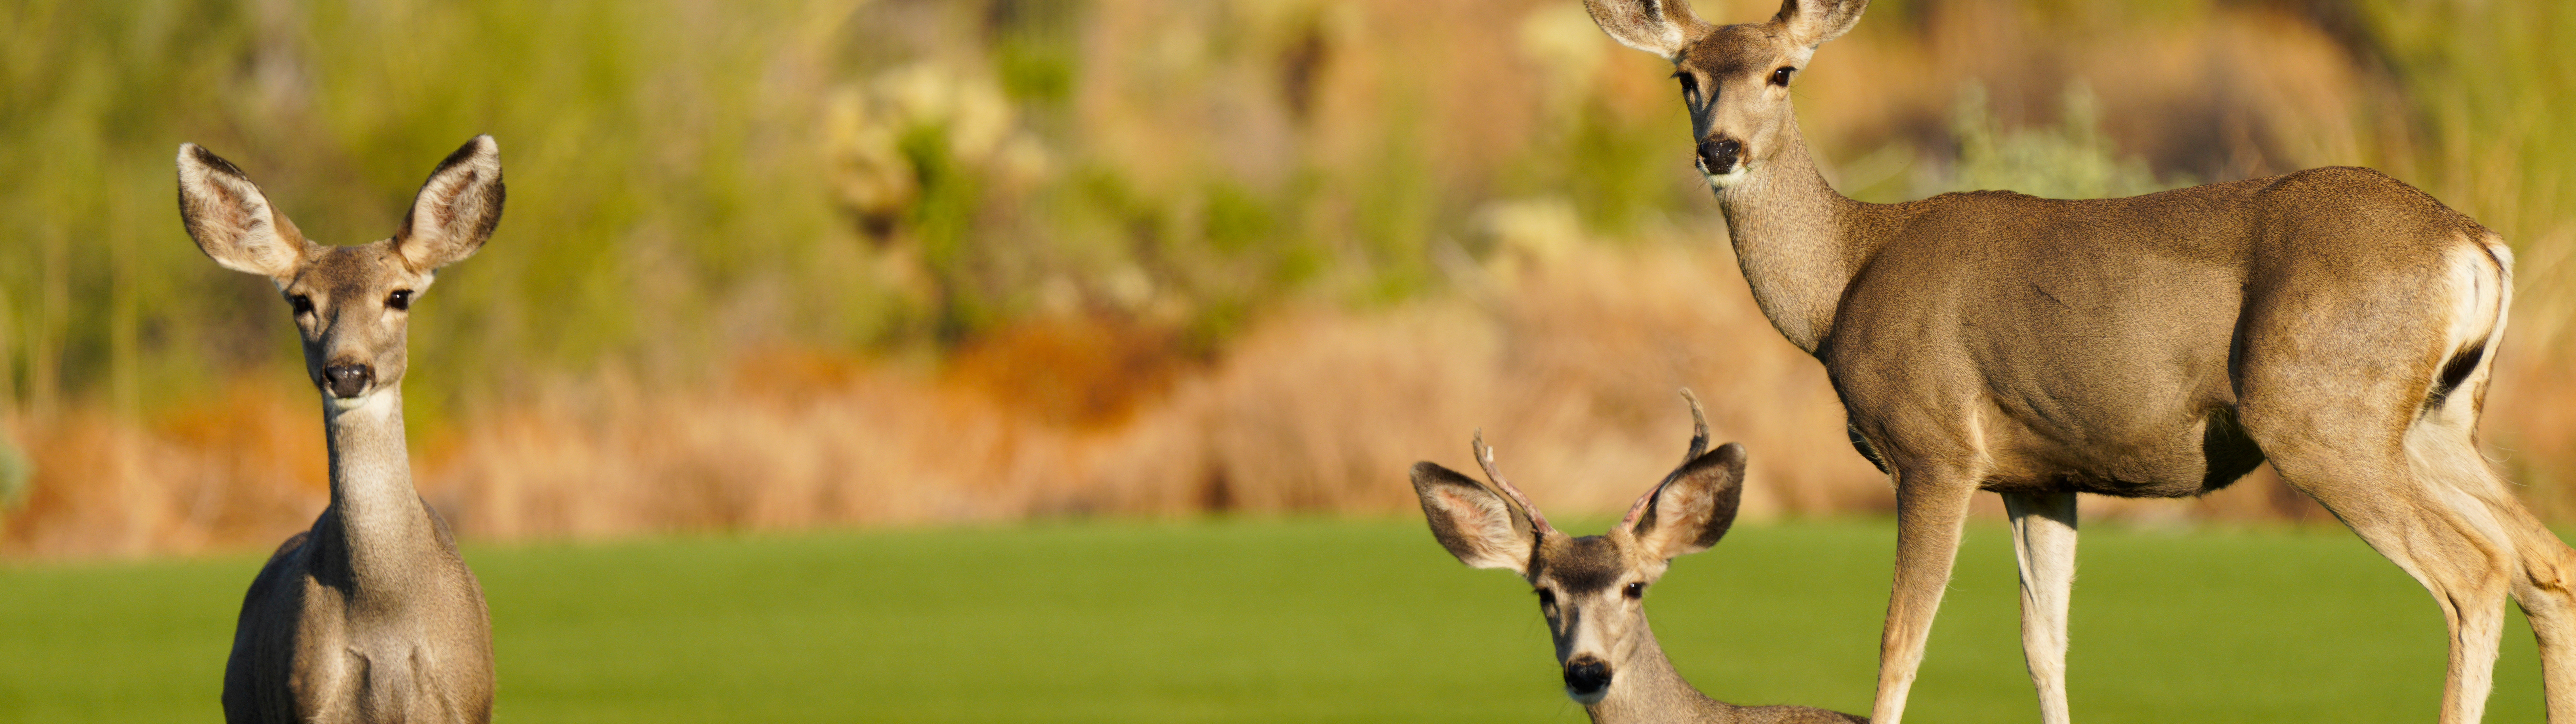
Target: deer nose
x=1718, y=156
x=1586, y=677
x=347, y=380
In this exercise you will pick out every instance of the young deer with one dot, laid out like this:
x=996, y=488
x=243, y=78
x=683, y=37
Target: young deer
x=2333, y=321
x=370, y=616
x=1592, y=589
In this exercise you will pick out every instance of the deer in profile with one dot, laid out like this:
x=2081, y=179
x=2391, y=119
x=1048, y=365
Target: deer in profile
x=2335, y=321
x=370, y=615
x=1592, y=589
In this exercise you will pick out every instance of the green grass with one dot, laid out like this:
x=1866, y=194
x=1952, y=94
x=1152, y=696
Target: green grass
x=1288, y=621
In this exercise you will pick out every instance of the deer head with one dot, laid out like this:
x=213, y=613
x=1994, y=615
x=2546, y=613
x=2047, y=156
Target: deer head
x=351, y=303
x=1592, y=588
x=1735, y=79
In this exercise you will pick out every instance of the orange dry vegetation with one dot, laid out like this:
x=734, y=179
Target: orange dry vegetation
x=1561, y=327
x=1569, y=363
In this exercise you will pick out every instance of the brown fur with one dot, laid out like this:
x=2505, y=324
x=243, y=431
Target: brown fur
x=369, y=616
x=2156, y=346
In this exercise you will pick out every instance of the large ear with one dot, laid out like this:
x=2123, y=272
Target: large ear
x=1812, y=22
x=1661, y=27
x=1695, y=504
x=457, y=208
x=1470, y=520
x=232, y=221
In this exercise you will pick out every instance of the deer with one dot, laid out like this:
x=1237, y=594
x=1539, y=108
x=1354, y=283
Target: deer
x=2335, y=322
x=1592, y=589
x=370, y=615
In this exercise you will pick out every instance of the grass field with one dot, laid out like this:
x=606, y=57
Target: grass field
x=1288, y=621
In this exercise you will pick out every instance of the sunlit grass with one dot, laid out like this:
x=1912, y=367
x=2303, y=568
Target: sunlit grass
x=1291, y=621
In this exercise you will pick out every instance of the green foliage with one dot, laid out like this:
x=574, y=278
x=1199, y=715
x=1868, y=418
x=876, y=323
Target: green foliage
x=692, y=180
x=2071, y=161
x=650, y=182
x=1294, y=621
x=2488, y=83
x=15, y=472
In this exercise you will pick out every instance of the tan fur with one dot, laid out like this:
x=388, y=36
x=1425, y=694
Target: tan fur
x=2333, y=321
x=1583, y=581
x=370, y=616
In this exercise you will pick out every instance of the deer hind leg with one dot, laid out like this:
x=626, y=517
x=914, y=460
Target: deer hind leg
x=2441, y=447
x=2044, y=544
x=2449, y=541
x=2541, y=569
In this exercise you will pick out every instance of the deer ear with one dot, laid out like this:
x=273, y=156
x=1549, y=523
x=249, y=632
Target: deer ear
x=232, y=221
x=1661, y=27
x=1695, y=505
x=1470, y=520
x=1812, y=22
x=457, y=208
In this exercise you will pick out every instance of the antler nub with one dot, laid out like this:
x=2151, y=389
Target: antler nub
x=1699, y=428
x=1485, y=459
x=1698, y=447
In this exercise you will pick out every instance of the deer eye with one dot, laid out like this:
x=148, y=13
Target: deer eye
x=1635, y=590
x=1690, y=86
x=1781, y=77
x=400, y=299
x=302, y=304
x=1546, y=598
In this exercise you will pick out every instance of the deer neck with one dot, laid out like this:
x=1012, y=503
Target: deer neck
x=381, y=520
x=1788, y=228
x=1646, y=688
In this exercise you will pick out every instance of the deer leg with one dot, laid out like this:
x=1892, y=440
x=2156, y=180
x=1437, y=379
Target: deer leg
x=2542, y=568
x=2044, y=544
x=2547, y=573
x=1930, y=506
x=2448, y=540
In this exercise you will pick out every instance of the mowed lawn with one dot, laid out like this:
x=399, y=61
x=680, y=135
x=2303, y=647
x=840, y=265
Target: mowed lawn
x=1290, y=621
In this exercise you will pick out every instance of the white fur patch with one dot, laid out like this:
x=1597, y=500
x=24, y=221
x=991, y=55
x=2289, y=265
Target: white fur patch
x=1742, y=170
x=369, y=402
x=2477, y=292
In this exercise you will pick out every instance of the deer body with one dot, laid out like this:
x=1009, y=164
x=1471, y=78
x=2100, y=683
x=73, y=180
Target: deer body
x=370, y=615
x=2334, y=322
x=2074, y=370
x=1592, y=588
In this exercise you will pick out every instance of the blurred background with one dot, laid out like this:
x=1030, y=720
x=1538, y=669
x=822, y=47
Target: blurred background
x=797, y=264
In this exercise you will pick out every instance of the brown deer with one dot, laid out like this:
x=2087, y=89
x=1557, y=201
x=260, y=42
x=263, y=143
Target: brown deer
x=1592, y=589
x=2335, y=322
x=370, y=616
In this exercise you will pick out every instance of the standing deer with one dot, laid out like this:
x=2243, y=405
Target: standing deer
x=2333, y=321
x=370, y=616
x=1592, y=589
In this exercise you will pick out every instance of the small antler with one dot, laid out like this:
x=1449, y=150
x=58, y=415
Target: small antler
x=1699, y=428
x=1698, y=446
x=1485, y=459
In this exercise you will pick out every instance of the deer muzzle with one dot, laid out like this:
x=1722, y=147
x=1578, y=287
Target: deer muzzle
x=1587, y=679
x=1718, y=156
x=347, y=381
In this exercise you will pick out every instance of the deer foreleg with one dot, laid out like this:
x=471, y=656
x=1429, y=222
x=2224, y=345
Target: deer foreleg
x=1929, y=510
x=2044, y=544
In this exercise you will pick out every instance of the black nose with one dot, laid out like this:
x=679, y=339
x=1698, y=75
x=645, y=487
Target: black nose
x=1586, y=676
x=347, y=380
x=1718, y=156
